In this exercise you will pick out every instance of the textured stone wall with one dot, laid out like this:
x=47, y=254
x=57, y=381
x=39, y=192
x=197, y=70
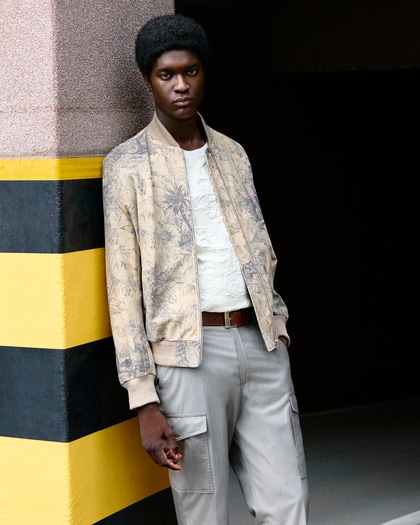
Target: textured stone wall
x=69, y=82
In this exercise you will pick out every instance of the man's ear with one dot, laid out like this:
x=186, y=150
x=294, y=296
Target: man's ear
x=147, y=82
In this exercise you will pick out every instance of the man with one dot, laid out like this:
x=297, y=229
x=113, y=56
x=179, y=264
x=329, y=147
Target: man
x=200, y=333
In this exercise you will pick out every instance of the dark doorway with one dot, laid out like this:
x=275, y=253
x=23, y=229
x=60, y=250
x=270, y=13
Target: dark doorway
x=334, y=150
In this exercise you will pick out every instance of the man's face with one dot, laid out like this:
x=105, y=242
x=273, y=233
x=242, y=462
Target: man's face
x=177, y=83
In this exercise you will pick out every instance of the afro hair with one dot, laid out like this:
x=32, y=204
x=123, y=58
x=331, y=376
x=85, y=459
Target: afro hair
x=166, y=33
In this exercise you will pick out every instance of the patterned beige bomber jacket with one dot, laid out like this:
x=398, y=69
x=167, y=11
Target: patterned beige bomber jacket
x=151, y=267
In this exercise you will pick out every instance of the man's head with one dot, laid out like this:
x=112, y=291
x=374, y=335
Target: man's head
x=169, y=32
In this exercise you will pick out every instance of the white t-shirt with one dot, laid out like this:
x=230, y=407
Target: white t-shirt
x=222, y=287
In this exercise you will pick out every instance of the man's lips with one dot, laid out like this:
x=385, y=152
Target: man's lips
x=181, y=102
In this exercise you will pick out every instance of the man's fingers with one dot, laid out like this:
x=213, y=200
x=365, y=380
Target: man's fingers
x=172, y=453
x=172, y=456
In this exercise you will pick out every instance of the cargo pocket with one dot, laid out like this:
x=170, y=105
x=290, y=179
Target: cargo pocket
x=297, y=433
x=191, y=435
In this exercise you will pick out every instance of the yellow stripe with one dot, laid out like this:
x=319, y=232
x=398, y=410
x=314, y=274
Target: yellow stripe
x=79, y=482
x=53, y=300
x=51, y=169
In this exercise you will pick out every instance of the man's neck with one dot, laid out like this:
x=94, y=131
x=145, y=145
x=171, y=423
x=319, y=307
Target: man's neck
x=187, y=133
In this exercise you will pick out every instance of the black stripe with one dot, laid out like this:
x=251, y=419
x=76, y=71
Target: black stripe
x=51, y=216
x=60, y=395
x=154, y=510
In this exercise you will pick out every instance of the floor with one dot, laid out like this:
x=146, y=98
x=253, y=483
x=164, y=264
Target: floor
x=363, y=466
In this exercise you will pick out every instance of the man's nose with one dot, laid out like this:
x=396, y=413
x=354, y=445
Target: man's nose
x=181, y=83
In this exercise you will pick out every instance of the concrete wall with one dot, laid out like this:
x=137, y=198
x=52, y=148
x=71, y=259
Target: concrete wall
x=69, y=83
x=70, y=450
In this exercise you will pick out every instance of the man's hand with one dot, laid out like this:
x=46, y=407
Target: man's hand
x=157, y=437
x=284, y=340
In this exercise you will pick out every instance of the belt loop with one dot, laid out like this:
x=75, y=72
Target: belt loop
x=227, y=319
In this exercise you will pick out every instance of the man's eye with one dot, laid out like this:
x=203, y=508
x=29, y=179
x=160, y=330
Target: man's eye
x=165, y=76
x=192, y=72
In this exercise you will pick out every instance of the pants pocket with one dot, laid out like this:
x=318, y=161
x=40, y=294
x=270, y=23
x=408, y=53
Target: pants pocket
x=191, y=435
x=297, y=434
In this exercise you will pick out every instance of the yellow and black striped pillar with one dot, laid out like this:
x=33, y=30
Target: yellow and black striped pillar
x=70, y=450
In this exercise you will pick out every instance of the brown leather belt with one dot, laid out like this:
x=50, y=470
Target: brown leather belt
x=229, y=319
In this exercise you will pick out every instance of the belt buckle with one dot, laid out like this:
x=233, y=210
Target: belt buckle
x=227, y=319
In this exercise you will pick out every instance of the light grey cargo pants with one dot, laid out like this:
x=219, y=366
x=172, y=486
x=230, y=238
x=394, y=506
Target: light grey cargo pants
x=238, y=408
